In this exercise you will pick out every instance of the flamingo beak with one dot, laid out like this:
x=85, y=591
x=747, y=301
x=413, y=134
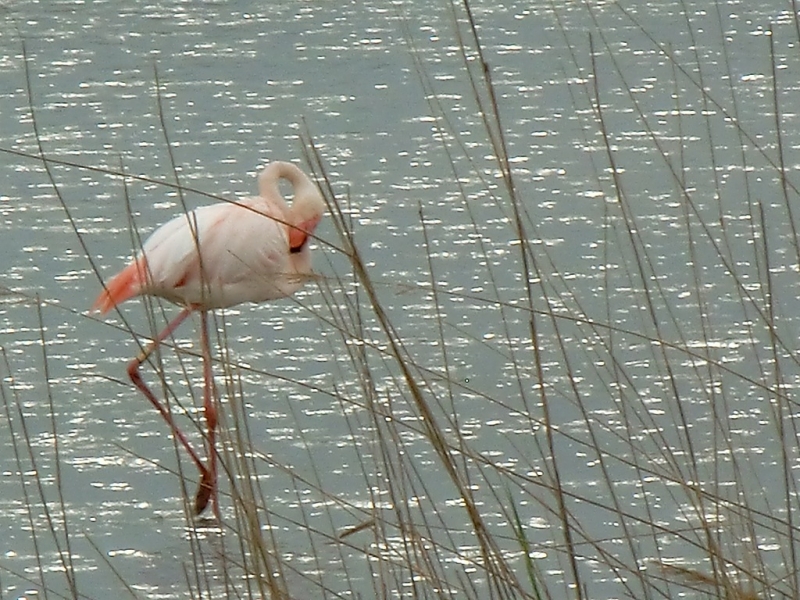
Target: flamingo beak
x=299, y=234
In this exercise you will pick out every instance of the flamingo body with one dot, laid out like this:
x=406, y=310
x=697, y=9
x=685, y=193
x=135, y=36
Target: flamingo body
x=225, y=254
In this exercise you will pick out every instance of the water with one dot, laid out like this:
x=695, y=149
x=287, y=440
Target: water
x=238, y=85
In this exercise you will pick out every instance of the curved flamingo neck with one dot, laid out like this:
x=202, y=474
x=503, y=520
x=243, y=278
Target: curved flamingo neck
x=269, y=178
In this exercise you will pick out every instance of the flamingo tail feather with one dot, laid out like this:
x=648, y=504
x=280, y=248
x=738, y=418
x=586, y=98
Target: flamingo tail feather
x=124, y=285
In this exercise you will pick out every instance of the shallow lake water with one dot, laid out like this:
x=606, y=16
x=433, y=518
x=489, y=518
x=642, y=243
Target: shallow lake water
x=381, y=90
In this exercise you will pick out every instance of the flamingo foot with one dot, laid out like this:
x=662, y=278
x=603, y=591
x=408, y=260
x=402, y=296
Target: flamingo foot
x=205, y=491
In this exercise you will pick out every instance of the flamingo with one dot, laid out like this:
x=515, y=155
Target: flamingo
x=217, y=256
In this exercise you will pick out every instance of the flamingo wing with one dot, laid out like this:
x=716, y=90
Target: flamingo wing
x=212, y=257
x=243, y=256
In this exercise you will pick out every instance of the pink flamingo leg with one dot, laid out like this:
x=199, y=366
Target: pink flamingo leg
x=208, y=484
x=136, y=378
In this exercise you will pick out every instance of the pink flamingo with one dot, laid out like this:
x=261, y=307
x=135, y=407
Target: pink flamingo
x=214, y=257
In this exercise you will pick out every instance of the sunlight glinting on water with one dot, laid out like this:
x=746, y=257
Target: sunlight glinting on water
x=644, y=408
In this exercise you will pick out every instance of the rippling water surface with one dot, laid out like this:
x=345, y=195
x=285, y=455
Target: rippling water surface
x=372, y=83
